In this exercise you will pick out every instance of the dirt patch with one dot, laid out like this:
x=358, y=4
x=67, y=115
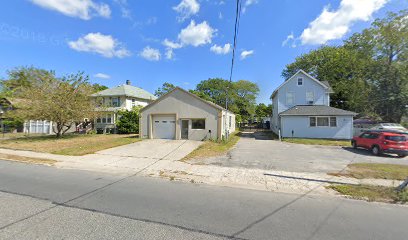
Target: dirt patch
x=10, y=157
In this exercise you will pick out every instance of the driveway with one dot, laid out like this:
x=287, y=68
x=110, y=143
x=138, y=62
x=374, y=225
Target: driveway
x=255, y=150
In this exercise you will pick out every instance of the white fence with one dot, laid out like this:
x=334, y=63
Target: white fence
x=38, y=126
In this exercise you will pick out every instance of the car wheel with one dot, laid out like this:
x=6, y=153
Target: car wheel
x=401, y=155
x=354, y=144
x=375, y=150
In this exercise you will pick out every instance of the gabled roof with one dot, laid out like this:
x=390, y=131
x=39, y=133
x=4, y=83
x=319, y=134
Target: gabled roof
x=324, y=84
x=126, y=90
x=316, y=110
x=186, y=92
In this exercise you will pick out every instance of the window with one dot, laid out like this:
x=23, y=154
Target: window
x=396, y=138
x=109, y=118
x=198, y=124
x=115, y=102
x=323, y=122
x=104, y=119
x=309, y=97
x=230, y=121
x=312, y=122
x=98, y=120
x=333, y=122
x=133, y=102
x=300, y=82
x=290, y=98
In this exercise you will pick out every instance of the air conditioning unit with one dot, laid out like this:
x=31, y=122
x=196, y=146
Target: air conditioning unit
x=310, y=102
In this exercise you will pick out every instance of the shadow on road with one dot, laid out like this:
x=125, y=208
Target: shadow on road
x=258, y=135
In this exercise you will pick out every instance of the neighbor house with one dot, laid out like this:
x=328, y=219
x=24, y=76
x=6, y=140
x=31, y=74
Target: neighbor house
x=301, y=109
x=113, y=100
x=180, y=114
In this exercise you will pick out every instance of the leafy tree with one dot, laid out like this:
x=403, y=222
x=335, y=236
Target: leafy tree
x=128, y=121
x=166, y=87
x=98, y=87
x=263, y=110
x=241, y=95
x=61, y=100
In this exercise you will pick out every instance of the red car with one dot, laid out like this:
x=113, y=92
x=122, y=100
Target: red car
x=382, y=142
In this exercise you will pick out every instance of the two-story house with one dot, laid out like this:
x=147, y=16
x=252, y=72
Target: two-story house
x=112, y=100
x=301, y=109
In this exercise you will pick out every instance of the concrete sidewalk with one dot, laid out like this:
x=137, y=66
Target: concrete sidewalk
x=171, y=168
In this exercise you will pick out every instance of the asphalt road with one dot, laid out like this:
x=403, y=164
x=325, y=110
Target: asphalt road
x=38, y=202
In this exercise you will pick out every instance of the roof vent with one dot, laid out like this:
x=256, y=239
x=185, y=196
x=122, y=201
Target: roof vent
x=128, y=82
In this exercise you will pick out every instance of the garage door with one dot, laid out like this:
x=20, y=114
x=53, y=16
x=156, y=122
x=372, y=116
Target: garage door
x=164, y=127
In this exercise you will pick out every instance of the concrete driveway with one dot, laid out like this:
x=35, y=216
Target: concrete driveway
x=255, y=150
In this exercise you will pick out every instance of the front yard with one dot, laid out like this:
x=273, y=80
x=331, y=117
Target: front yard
x=73, y=144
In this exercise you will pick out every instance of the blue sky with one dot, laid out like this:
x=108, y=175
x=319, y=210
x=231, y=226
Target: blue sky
x=176, y=41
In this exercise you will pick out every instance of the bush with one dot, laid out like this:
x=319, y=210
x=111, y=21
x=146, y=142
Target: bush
x=128, y=121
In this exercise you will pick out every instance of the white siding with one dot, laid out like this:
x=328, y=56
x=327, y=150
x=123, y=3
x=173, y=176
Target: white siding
x=301, y=128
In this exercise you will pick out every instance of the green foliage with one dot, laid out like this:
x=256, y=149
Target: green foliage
x=128, y=121
x=241, y=95
x=369, y=73
x=98, y=87
x=12, y=124
x=166, y=87
x=263, y=110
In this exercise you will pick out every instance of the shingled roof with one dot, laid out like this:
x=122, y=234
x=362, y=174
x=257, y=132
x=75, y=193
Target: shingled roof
x=316, y=110
x=126, y=90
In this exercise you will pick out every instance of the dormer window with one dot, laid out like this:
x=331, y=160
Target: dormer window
x=300, y=82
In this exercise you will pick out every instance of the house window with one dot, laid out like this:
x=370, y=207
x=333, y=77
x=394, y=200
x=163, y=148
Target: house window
x=198, y=124
x=309, y=97
x=230, y=121
x=333, y=122
x=133, y=102
x=290, y=98
x=300, y=81
x=98, y=120
x=109, y=118
x=115, y=102
x=323, y=122
x=104, y=119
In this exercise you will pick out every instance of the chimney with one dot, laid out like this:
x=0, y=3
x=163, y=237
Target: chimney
x=128, y=82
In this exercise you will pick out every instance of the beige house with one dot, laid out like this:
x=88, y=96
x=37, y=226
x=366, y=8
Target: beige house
x=112, y=100
x=180, y=114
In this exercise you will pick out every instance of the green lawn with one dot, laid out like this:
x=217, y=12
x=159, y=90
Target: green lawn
x=372, y=193
x=72, y=144
x=312, y=141
x=375, y=170
x=213, y=148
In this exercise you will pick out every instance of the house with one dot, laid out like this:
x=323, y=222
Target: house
x=180, y=114
x=301, y=109
x=112, y=100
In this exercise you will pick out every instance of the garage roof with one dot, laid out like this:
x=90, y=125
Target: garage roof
x=316, y=110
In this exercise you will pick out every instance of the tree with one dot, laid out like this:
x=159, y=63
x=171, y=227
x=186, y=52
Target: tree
x=64, y=100
x=98, y=87
x=166, y=87
x=241, y=95
x=129, y=121
x=263, y=110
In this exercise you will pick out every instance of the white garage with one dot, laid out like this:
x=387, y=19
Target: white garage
x=180, y=114
x=164, y=126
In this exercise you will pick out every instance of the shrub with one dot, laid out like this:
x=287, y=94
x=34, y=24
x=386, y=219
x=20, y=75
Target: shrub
x=128, y=121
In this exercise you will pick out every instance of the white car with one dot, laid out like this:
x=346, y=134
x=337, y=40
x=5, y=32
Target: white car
x=389, y=126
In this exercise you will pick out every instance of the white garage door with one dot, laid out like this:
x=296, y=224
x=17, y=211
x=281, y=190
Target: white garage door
x=164, y=127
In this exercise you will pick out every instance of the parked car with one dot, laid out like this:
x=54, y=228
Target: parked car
x=389, y=126
x=382, y=142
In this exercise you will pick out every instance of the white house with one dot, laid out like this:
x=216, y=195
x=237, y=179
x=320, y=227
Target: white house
x=301, y=109
x=112, y=100
x=180, y=114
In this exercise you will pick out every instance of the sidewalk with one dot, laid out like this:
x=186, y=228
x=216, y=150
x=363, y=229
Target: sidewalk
x=276, y=181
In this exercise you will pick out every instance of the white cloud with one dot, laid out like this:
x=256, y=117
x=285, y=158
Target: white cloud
x=186, y=9
x=290, y=39
x=150, y=54
x=248, y=3
x=331, y=25
x=102, y=75
x=245, y=54
x=104, y=45
x=221, y=50
x=220, y=16
x=171, y=44
x=84, y=9
x=196, y=34
x=123, y=6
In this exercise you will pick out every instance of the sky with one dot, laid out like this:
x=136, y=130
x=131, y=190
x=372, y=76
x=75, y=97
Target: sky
x=178, y=41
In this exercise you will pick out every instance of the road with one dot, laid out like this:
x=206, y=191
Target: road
x=39, y=202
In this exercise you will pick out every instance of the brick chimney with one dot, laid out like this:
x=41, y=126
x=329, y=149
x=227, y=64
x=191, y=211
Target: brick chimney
x=128, y=82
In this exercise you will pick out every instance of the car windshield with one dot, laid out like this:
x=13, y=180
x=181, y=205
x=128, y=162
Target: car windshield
x=396, y=138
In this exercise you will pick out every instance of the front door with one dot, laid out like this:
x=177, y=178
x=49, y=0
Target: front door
x=184, y=129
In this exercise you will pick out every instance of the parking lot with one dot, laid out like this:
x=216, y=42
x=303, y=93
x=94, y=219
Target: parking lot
x=256, y=150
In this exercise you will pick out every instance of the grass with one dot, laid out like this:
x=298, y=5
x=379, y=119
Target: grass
x=312, y=141
x=375, y=170
x=10, y=157
x=372, y=193
x=73, y=144
x=213, y=148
